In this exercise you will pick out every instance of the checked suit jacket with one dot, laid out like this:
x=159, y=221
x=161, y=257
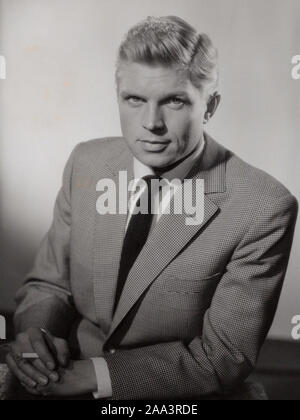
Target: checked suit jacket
x=199, y=299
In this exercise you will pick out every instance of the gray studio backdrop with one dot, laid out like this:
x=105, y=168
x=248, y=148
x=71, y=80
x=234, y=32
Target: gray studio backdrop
x=59, y=90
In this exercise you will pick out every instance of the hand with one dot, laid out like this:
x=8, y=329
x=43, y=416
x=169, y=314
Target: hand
x=77, y=379
x=53, y=352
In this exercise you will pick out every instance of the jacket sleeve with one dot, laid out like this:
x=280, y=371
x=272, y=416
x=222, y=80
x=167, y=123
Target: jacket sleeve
x=235, y=325
x=45, y=299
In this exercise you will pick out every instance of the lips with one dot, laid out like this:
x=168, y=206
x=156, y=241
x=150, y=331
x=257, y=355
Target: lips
x=155, y=141
x=154, y=145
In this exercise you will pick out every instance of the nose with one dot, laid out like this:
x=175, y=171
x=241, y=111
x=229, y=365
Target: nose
x=153, y=119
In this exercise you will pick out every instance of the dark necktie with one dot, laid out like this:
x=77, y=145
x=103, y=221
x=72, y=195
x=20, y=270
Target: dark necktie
x=135, y=238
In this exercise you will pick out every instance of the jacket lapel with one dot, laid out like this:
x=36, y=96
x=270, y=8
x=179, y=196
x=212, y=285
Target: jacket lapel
x=170, y=234
x=109, y=234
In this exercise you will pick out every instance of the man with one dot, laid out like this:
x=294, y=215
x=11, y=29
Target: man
x=171, y=310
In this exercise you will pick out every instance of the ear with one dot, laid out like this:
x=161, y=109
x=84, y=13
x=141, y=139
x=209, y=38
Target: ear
x=212, y=105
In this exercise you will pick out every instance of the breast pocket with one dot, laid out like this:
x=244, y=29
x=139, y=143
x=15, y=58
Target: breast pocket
x=187, y=295
x=176, y=284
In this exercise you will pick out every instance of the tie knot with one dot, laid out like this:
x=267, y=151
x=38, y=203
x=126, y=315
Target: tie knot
x=153, y=183
x=149, y=178
x=148, y=185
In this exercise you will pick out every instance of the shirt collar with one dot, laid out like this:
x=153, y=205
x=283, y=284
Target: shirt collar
x=179, y=172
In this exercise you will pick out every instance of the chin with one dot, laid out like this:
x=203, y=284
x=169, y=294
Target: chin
x=156, y=160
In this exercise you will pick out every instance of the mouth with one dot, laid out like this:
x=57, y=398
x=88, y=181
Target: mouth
x=155, y=145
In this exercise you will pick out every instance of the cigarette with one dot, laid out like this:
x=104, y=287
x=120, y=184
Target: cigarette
x=30, y=356
x=7, y=347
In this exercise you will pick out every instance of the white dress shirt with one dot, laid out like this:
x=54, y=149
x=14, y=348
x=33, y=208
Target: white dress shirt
x=140, y=170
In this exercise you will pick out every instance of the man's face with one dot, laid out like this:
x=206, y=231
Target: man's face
x=161, y=113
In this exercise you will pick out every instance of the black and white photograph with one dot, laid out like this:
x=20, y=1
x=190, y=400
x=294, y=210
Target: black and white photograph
x=149, y=190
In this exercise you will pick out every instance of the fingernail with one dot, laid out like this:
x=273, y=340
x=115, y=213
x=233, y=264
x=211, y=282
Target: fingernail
x=32, y=384
x=18, y=357
x=50, y=365
x=54, y=377
x=43, y=381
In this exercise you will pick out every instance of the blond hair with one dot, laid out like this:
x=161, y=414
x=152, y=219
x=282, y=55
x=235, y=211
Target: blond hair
x=170, y=41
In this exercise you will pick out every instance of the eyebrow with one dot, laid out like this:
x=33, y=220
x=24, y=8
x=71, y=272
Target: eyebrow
x=125, y=93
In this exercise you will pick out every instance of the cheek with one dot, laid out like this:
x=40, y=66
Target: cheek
x=129, y=121
x=194, y=124
x=180, y=125
x=186, y=129
x=126, y=123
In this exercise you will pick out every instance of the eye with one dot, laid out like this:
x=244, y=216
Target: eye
x=134, y=100
x=175, y=103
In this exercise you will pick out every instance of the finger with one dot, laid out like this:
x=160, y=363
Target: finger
x=23, y=342
x=40, y=347
x=25, y=366
x=63, y=353
x=22, y=377
x=30, y=390
x=34, y=368
x=32, y=373
x=38, y=390
x=45, y=391
x=39, y=365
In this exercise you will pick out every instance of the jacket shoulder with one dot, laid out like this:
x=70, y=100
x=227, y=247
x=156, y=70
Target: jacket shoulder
x=99, y=150
x=253, y=180
x=109, y=145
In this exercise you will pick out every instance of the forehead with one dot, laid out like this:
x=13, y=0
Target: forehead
x=152, y=80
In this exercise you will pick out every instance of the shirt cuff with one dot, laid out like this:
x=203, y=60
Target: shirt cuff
x=103, y=378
